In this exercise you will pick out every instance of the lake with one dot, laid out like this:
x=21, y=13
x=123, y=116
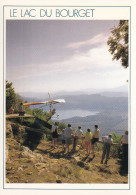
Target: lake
x=65, y=114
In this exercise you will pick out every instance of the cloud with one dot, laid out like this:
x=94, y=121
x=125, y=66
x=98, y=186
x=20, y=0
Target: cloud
x=94, y=68
x=95, y=60
x=98, y=39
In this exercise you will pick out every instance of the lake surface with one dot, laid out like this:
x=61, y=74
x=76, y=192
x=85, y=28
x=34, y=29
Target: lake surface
x=65, y=114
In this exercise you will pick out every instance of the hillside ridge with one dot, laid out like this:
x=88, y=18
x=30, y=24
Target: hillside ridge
x=48, y=165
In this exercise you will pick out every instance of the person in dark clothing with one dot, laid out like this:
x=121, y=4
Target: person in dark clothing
x=54, y=134
x=124, y=141
x=20, y=109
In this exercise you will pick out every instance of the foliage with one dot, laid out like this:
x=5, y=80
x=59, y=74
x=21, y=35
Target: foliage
x=115, y=137
x=28, y=110
x=39, y=121
x=18, y=101
x=115, y=150
x=37, y=112
x=62, y=126
x=12, y=98
x=118, y=42
x=10, y=95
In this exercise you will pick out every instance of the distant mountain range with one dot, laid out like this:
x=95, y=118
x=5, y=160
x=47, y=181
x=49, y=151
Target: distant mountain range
x=94, y=102
x=105, y=101
x=111, y=106
x=121, y=91
x=108, y=122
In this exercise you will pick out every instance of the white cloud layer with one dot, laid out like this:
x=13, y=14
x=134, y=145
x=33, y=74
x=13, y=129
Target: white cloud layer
x=98, y=39
x=79, y=71
x=95, y=60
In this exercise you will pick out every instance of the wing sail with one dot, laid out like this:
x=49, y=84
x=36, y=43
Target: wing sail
x=46, y=102
x=56, y=101
x=33, y=103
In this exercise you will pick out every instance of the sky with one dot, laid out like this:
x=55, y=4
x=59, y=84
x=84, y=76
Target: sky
x=61, y=55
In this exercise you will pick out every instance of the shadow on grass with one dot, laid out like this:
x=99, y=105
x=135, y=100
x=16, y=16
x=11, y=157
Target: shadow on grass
x=56, y=154
x=90, y=159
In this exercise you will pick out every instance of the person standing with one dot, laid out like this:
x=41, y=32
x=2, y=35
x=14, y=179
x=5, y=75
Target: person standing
x=20, y=109
x=77, y=137
x=124, y=161
x=54, y=132
x=88, y=137
x=95, y=138
x=63, y=139
x=68, y=134
x=11, y=110
x=124, y=141
x=106, y=148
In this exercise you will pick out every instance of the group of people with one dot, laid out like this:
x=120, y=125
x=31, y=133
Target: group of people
x=88, y=139
x=68, y=137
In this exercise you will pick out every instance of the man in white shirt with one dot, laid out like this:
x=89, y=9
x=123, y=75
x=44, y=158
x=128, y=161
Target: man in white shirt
x=79, y=132
x=106, y=148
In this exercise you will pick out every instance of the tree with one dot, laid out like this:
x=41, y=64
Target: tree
x=118, y=43
x=62, y=126
x=10, y=96
x=39, y=113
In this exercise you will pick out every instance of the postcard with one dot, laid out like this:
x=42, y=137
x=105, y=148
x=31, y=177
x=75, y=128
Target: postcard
x=67, y=97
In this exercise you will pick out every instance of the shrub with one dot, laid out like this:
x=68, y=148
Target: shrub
x=61, y=126
x=115, y=150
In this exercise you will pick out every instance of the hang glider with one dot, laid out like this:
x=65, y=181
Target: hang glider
x=49, y=102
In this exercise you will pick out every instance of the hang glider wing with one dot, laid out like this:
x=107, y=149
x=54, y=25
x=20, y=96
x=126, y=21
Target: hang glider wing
x=33, y=103
x=56, y=101
x=46, y=102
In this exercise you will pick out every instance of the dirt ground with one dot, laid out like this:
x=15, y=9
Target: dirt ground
x=48, y=165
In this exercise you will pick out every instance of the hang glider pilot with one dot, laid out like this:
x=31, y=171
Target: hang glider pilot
x=20, y=109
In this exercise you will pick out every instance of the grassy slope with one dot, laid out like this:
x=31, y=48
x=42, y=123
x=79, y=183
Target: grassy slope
x=57, y=166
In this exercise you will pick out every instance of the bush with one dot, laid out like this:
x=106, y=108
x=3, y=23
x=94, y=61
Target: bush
x=61, y=126
x=115, y=137
x=10, y=96
x=115, y=150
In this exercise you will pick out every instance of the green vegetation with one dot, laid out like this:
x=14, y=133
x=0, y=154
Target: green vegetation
x=118, y=42
x=40, y=121
x=115, y=150
x=62, y=126
x=10, y=96
x=39, y=113
x=115, y=137
x=14, y=99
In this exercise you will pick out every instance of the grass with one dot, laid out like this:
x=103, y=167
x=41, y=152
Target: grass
x=57, y=167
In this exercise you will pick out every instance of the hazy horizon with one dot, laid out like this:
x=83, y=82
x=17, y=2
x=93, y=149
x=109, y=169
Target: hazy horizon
x=120, y=89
